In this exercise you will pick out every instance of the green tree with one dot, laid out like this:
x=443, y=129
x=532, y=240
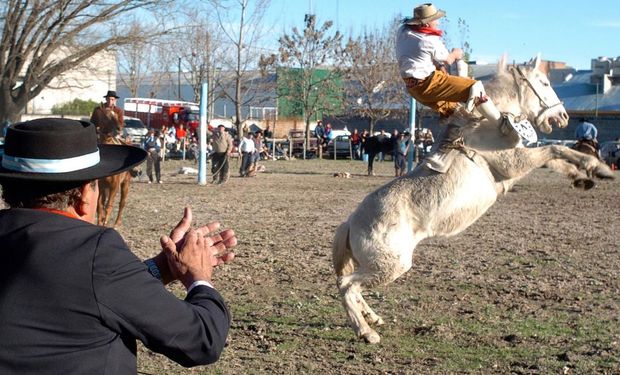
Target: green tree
x=309, y=76
x=77, y=107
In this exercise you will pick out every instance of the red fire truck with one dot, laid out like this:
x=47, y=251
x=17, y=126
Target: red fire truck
x=157, y=113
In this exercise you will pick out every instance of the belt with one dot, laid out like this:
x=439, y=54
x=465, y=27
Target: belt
x=414, y=82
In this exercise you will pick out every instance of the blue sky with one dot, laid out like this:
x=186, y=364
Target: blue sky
x=569, y=31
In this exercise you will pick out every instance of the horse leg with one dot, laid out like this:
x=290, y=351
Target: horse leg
x=580, y=179
x=102, y=201
x=356, y=306
x=350, y=287
x=368, y=313
x=101, y=206
x=518, y=162
x=126, y=181
x=114, y=185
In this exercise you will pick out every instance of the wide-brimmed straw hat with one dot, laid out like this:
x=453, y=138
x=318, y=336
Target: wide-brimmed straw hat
x=62, y=150
x=424, y=13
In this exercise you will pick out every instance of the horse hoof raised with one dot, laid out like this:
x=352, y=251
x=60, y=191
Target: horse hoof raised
x=371, y=337
x=583, y=183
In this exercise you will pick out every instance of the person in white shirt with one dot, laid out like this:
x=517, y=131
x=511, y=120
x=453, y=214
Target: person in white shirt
x=247, y=149
x=422, y=56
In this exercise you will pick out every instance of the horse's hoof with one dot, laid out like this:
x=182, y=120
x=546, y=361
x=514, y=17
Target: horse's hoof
x=376, y=320
x=583, y=183
x=371, y=337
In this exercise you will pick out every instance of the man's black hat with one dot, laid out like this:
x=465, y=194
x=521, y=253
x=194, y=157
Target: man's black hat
x=111, y=93
x=56, y=149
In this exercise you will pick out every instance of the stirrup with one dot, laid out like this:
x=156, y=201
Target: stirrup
x=523, y=128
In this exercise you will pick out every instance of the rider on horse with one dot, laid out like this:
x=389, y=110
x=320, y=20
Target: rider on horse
x=421, y=55
x=586, y=132
x=108, y=118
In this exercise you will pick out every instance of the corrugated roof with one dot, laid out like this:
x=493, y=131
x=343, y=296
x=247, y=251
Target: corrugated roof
x=578, y=94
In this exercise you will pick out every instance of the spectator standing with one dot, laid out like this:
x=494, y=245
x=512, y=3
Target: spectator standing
x=363, y=141
x=246, y=148
x=222, y=144
x=381, y=138
x=401, y=148
x=181, y=135
x=356, y=141
x=78, y=298
x=152, y=145
x=108, y=118
x=259, y=148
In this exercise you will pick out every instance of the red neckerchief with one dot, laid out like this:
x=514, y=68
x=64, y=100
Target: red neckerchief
x=59, y=212
x=427, y=30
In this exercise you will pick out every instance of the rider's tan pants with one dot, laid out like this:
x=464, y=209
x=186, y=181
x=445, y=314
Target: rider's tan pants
x=442, y=92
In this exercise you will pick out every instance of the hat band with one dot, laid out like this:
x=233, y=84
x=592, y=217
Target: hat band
x=18, y=164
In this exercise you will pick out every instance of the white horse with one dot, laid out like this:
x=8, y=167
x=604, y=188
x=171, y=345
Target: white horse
x=375, y=245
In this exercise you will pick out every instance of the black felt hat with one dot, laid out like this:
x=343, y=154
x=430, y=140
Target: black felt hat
x=55, y=149
x=111, y=93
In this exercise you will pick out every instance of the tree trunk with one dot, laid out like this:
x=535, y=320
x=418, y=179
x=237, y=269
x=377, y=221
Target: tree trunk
x=371, y=125
x=10, y=110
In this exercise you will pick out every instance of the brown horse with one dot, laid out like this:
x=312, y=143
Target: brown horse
x=588, y=147
x=109, y=186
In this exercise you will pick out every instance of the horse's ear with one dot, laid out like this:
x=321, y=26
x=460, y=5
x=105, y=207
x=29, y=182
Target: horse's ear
x=501, y=64
x=535, y=62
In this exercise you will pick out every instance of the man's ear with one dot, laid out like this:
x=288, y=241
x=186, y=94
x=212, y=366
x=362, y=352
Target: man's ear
x=81, y=206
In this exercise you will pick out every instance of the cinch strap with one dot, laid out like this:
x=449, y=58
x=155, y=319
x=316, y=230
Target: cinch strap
x=50, y=165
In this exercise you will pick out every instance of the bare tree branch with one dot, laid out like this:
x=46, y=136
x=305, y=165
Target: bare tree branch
x=42, y=39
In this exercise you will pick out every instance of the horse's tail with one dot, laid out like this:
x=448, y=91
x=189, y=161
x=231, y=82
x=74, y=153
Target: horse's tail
x=341, y=251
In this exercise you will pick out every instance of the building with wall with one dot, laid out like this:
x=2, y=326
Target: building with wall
x=89, y=81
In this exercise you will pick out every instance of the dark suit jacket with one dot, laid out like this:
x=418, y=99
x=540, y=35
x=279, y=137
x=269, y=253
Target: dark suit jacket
x=74, y=299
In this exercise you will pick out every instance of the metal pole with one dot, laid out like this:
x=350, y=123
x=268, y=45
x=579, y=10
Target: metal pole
x=412, y=106
x=179, y=79
x=202, y=159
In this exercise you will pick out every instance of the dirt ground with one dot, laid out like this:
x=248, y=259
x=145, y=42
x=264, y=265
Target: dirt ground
x=531, y=288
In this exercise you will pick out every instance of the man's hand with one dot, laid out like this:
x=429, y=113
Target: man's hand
x=216, y=247
x=190, y=263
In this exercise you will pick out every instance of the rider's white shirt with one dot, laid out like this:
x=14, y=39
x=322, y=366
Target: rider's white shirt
x=416, y=52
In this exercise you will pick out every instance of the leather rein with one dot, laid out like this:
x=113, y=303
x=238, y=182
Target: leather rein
x=518, y=75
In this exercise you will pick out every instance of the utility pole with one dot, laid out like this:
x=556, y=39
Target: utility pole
x=179, y=79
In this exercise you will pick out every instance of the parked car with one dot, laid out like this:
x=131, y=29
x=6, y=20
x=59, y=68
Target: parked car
x=610, y=152
x=342, y=147
x=134, y=130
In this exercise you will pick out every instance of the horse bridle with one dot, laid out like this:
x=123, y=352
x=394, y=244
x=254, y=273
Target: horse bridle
x=543, y=103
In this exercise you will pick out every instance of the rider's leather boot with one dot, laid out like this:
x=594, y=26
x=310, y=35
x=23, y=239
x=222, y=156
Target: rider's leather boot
x=443, y=156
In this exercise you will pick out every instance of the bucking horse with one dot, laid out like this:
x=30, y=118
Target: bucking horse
x=375, y=245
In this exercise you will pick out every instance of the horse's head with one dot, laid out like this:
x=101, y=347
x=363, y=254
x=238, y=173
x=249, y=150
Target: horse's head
x=537, y=99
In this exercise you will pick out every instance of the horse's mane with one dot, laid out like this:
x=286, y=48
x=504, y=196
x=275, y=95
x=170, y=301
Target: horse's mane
x=501, y=87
